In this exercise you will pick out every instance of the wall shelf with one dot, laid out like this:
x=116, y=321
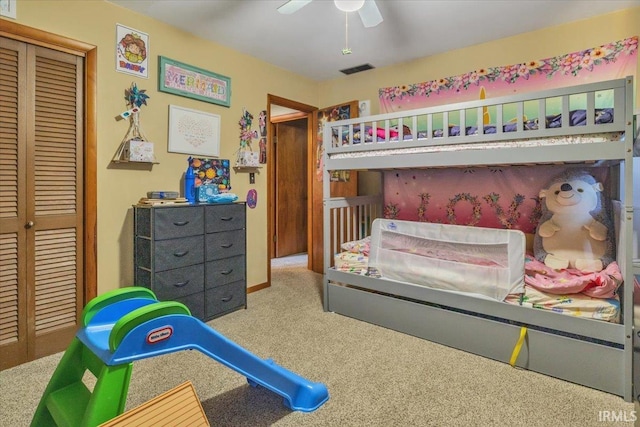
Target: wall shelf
x=247, y=168
x=133, y=162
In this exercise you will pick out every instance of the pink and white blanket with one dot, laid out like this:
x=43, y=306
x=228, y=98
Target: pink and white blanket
x=602, y=284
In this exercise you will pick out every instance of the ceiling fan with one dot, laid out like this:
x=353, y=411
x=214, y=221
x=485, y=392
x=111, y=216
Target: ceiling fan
x=367, y=9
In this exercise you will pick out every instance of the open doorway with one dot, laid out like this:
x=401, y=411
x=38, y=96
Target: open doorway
x=289, y=138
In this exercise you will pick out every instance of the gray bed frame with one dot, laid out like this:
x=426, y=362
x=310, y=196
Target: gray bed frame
x=593, y=353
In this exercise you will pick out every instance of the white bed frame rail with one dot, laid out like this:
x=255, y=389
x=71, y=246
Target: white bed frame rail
x=463, y=149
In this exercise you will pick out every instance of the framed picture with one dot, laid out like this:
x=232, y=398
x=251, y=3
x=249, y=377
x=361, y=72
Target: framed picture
x=132, y=51
x=193, y=132
x=193, y=82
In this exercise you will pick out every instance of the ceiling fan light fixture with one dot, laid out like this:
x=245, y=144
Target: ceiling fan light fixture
x=349, y=5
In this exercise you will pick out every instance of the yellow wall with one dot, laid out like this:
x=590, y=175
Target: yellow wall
x=549, y=42
x=118, y=188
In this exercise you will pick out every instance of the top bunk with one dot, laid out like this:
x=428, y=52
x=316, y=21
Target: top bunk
x=584, y=123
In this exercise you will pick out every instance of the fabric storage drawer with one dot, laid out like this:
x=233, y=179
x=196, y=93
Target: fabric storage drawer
x=195, y=304
x=225, y=217
x=225, y=244
x=171, y=254
x=225, y=298
x=179, y=282
x=185, y=253
x=223, y=271
x=178, y=222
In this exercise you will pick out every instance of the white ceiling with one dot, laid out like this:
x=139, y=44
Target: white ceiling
x=309, y=42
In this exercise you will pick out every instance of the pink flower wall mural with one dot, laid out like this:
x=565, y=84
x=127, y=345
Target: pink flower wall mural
x=610, y=61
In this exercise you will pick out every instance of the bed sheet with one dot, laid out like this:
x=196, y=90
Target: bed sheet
x=351, y=262
x=577, y=305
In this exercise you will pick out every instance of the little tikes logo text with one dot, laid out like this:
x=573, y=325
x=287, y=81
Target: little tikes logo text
x=160, y=334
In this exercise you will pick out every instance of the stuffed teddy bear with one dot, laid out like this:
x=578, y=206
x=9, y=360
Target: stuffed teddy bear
x=575, y=230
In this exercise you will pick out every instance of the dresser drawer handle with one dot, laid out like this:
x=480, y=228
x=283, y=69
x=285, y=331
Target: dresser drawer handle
x=181, y=223
x=181, y=284
x=226, y=272
x=226, y=218
x=226, y=299
x=226, y=245
x=180, y=254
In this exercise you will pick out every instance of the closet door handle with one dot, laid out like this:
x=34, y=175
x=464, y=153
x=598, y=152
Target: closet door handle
x=181, y=284
x=226, y=272
x=226, y=245
x=180, y=254
x=181, y=223
x=29, y=224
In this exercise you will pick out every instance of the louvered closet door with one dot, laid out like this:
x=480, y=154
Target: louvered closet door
x=41, y=263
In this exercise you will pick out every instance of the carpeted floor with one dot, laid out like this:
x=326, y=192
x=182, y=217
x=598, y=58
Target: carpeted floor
x=375, y=376
x=297, y=260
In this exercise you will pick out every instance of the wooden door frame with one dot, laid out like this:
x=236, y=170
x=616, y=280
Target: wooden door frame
x=89, y=52
x=306, y=112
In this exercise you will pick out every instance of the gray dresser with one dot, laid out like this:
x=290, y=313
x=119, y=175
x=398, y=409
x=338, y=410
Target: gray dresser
x=194, y=254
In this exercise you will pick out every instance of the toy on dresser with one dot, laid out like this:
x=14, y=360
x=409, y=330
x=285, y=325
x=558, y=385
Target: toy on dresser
x=575, y=230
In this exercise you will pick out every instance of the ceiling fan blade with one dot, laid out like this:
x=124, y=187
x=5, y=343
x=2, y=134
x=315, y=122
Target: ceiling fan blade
x=370, y=14
x=292, y=6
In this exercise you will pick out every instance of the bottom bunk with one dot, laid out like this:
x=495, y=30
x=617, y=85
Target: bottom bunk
x=580, y=339
x=579, y=296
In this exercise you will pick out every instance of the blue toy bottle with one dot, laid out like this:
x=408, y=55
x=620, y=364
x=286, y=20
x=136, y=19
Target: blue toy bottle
x=190, y=185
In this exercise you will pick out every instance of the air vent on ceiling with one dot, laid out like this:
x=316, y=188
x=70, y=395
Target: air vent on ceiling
x=357, y=69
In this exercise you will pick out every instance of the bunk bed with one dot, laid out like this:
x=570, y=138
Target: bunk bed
x=526, y=129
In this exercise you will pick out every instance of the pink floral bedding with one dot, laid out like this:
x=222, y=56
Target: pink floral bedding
x=357, y=246
x=351, y=262
x=602, y=284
